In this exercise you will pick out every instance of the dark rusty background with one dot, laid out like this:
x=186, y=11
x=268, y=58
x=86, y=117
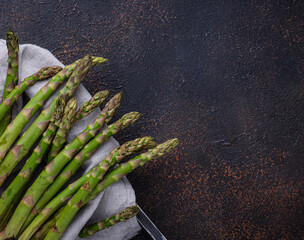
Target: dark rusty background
x=226, y=77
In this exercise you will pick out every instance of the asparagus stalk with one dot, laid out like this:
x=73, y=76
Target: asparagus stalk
x=64, y=127
x=5, y=218
x=12, y=74
x=13, y=65
x=75, y=203
x=38, y=127
x=71, y=168
x=127, y=167
x=119, y=153
x=70, y=119
x=12, y=132
x=13, y=194
x=33, y=161
x=28, y=139
x=86, y=192
x=13, y=96
x=49, y=173
x=91, y=229
x=45, y=228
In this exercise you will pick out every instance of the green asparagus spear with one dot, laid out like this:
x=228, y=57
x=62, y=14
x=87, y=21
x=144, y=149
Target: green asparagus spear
x=91, y=229
x=75, y=203
x=12, y=74
x=13, y=65
x=5, y=218
x=91, y=105
x=28, y=139
x=55, y=203
x=50, y=172
x=46, y=227
x=64, y=127
x=71, y=168
x=70, y=119
x=87, y=190
x=33, y=161
x=125, y=168
x=14, y=129
x=13, y=96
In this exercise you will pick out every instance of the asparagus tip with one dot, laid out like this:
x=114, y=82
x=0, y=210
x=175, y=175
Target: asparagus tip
x=101, y=94
x=59, y=108
x=12, y=40
x=118, y=96
x=112, y=106
x=130, y=212
x=10, y=34
x=72, y=103
x=99, y=60
x=130, y=117
x=160, y=150
x=172, y=143
x=47, y=72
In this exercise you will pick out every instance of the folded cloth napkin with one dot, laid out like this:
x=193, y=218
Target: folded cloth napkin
x=116, y=197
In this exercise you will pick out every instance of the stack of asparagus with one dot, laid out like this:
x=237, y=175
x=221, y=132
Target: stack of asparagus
x=44, y=209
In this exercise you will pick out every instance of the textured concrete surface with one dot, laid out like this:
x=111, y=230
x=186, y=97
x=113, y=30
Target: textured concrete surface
x=226, y=77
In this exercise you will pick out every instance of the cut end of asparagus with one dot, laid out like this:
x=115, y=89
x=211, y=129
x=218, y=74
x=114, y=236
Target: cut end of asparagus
x=98, y=60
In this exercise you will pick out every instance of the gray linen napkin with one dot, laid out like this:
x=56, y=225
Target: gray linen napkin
x=113, y=199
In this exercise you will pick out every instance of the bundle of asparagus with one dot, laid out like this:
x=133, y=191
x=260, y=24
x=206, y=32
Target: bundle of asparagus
x=44, y=209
